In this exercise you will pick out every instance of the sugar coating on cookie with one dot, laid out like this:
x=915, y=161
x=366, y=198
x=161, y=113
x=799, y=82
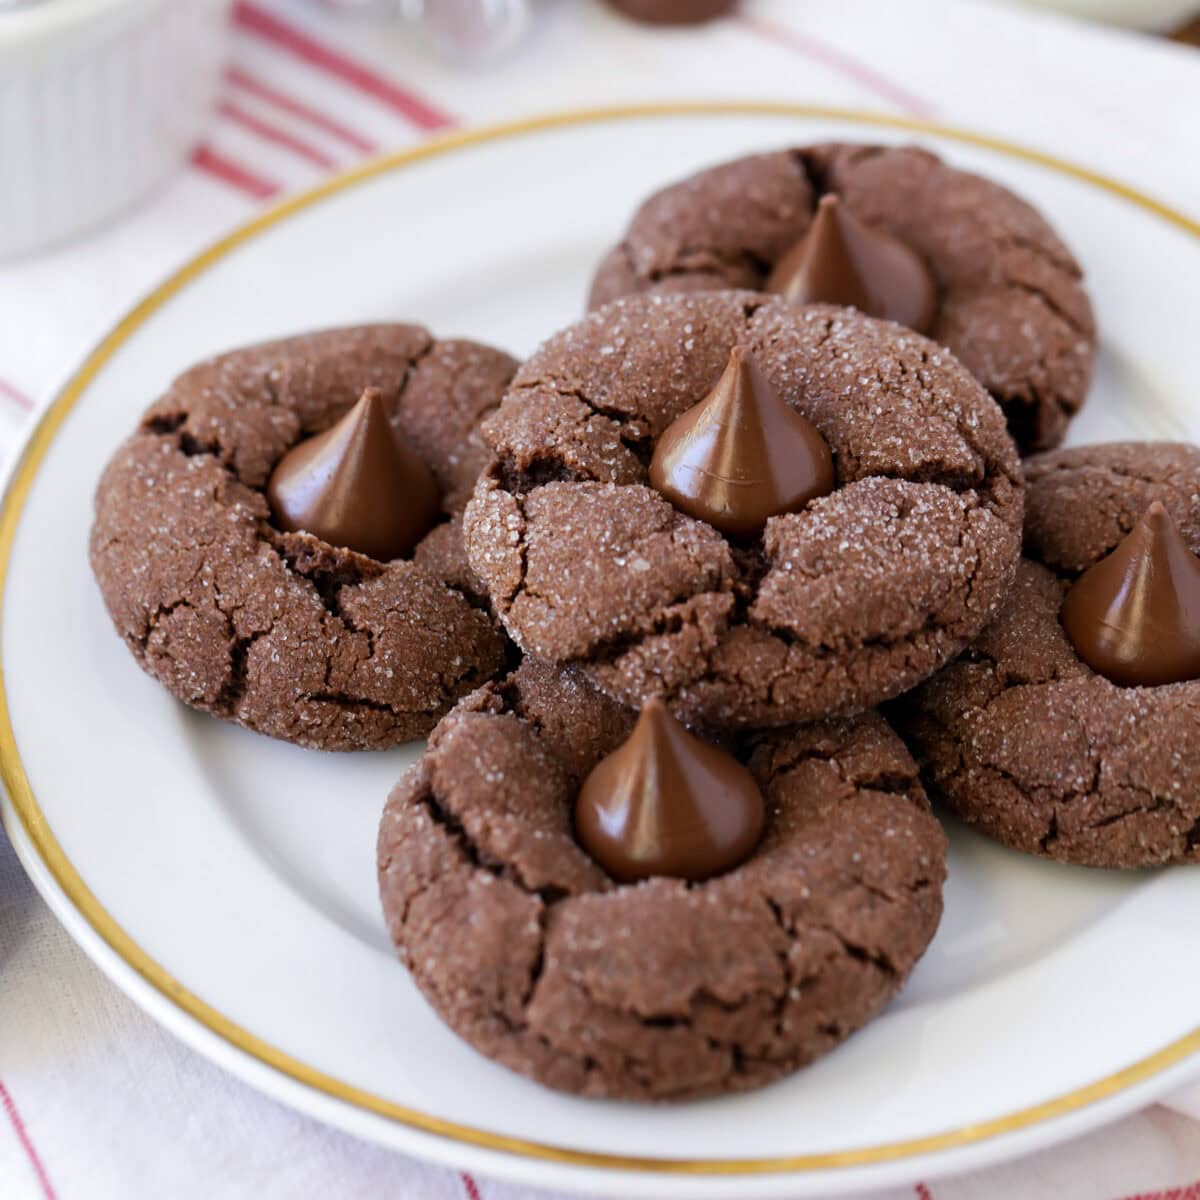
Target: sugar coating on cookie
x=281, y=632
x=1011, y=303
x=1020, y=736
x=659, y=990
x=859, y=596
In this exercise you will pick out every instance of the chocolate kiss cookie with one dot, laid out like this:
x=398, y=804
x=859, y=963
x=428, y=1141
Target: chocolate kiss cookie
x=280, y=631
x=1009, y=297
x=1028, y=742
x=854, y=598
x=659, y=990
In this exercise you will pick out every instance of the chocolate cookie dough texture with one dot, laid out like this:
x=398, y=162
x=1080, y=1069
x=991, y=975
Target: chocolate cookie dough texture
x=827, y=610
x=243, y=612
x=1071, y=728
x=1009, y=298
x=540, y=959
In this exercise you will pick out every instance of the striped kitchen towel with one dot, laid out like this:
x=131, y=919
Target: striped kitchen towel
x=95, y=1100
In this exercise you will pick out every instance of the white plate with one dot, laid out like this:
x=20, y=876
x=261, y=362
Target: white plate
x=227, y=882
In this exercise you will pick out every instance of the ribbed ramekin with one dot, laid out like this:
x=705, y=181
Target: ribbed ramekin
x=99, y=101
x=1154, y=16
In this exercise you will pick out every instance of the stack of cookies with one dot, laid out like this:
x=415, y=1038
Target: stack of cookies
x=647, y=593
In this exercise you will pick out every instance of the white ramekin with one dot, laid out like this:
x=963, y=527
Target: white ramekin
x=99, y=101
x=1155, y=16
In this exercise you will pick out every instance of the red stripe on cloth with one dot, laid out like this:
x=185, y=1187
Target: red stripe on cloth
x=1191, y=1192
x=275, y=135
x=10, y=1107
x=830, y=56
x=470, y=1187
x=257, y=187
x=18, y=397
x=923, y=1192
x=297, y=108
x=264, y=24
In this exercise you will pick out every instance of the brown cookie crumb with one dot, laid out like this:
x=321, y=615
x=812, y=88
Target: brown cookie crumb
x=673, y=12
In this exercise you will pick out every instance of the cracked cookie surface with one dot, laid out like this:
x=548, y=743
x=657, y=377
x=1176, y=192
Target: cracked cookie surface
x=660, y=990
x=1012, y=306
x=852, y=600
x=1020, y=736
x=281, y=632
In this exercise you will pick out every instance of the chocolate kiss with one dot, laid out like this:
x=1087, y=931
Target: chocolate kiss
x=1135, y=616
x=357, y=485
x=666, y=803
x=741, y=455
x=840, y=260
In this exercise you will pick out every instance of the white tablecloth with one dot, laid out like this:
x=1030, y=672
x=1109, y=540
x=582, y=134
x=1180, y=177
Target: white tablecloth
x=95, y=1100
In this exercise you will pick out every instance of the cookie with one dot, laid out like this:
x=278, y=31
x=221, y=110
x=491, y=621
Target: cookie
x=854, y=599
x=1021, y=736
x=1010, y=300
x=279, y=631
x=659, y=990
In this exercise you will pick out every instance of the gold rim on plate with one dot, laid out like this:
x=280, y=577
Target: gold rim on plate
x=36, y=828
